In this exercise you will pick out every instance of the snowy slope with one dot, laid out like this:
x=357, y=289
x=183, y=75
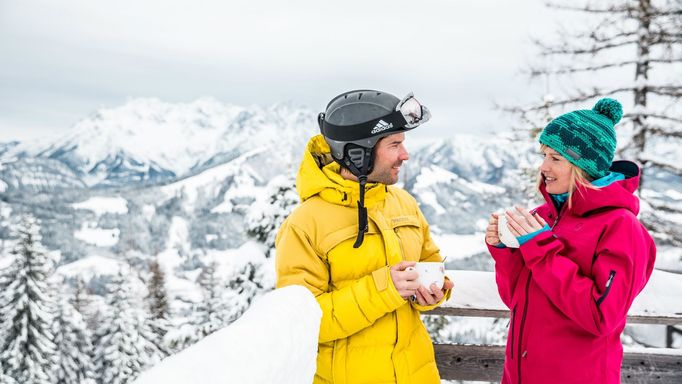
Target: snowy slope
x=31, y=175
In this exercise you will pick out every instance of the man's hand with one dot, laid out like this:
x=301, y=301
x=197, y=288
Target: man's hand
x=405, y=281
x=425, y=298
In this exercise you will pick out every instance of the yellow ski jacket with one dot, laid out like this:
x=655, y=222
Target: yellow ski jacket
x=368, y=333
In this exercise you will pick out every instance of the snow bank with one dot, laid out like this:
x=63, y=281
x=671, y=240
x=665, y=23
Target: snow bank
x=474, y=289
x=275, y=341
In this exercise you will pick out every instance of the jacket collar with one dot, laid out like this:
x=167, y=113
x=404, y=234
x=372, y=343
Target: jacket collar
x=319, y=174
x=619, y=194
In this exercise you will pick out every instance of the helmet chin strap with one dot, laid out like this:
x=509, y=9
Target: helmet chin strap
x=361, y=173
x=362, y=213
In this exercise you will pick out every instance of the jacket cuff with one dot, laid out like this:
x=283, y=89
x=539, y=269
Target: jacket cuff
x=384, y=286
x=528, y=236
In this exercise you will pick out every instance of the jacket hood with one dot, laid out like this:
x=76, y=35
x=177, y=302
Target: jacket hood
x=619, y=194
x=319, y=174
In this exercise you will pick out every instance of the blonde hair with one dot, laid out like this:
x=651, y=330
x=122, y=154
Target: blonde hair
x=578, y=178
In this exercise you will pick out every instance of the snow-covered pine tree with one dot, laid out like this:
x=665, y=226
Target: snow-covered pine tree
x=157, y=299
x=181, y=336
x=244, y=285
x=630, y=50
x=206, y=317
x=27, y=309
x=210, y=313
x=74, y=348
x=269, y=211
x=79, y=300
x=124, y=344
x=4, y=379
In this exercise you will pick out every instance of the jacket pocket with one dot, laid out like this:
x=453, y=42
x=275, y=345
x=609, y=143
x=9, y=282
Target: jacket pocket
x=511, y=332
x=612, y=275
x=410, y=236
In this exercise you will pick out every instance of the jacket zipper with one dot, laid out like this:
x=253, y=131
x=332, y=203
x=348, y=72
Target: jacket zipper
x=612, y=274
x=525, y=308
x=400, y=241
x=513, y=316
x=523, y=321
x=558, y=214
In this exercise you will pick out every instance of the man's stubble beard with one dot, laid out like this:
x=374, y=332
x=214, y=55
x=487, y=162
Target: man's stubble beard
x=384, y=176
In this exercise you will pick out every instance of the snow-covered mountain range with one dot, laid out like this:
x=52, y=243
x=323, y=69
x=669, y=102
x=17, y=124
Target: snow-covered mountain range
x=148, y=142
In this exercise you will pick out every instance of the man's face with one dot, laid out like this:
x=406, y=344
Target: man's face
x=389, y=155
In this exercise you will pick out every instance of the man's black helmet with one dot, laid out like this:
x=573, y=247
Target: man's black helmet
x=353, y=123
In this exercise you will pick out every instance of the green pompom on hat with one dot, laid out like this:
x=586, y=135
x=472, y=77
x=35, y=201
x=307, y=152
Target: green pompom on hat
x=586, y=137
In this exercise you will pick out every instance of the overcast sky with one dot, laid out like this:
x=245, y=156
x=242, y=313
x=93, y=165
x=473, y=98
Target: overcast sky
x=61, y=60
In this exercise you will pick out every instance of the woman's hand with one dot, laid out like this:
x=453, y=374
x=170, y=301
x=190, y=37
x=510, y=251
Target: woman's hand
x=521, y=222
x=492, y=237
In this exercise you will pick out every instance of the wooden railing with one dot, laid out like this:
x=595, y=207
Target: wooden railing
x=475, y=295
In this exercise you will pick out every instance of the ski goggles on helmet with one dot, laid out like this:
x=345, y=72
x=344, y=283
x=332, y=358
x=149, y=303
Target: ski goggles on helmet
x=412, y=111
x=408, y=114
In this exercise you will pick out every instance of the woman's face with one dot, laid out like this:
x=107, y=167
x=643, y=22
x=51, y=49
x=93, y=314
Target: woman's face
x=555, y=171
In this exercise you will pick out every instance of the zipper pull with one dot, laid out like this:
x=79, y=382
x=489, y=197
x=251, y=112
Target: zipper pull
x=610, y=280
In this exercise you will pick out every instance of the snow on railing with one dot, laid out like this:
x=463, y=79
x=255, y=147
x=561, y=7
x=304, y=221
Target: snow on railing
x=275, y=341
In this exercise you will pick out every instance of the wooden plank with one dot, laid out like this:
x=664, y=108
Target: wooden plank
x=484, y=363
x=651, y=368
x=468, y=312
x=666, y=320
x=469, y=362
x=476, y=312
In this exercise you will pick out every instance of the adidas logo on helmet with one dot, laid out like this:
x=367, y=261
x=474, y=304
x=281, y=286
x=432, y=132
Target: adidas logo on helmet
x=381, y=126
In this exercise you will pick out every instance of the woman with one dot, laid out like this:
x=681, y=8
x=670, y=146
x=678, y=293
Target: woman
x=582, y=259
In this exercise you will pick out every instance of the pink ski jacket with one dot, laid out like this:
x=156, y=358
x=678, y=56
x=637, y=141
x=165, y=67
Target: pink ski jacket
x=569, y=289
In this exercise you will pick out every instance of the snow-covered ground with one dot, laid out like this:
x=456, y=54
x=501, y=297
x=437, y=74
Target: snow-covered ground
x=100, y=237
x=454, y=246
x=101, y=205
x=275, y=341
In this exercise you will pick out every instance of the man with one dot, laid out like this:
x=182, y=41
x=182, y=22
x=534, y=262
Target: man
x=353, y=240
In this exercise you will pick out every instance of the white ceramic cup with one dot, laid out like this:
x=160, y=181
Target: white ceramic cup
x=506, y=236
x=430, y=273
